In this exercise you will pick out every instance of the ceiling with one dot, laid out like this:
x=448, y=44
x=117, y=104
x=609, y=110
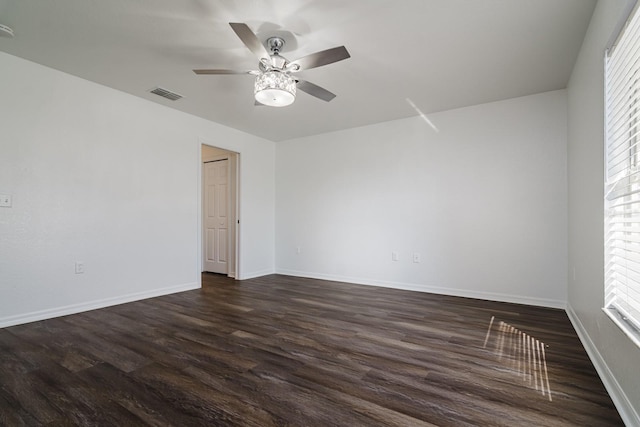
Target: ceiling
x=407, y=56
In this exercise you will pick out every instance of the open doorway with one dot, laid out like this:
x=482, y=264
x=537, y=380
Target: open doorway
x=219, y=211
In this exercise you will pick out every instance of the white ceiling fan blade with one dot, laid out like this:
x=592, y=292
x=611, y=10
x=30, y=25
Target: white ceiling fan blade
x=321, y=58
x=250, y=39
x=315, y=90
x=224, y=72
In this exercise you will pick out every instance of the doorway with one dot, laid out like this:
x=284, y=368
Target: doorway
x=219, y=211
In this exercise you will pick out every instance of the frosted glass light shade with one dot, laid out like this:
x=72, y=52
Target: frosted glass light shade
x=275, y=89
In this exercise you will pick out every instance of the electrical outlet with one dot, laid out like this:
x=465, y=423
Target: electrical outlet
x=5, y=200
x=395, y=256
x=79, y=267
x=416, y=257
x=298, y=250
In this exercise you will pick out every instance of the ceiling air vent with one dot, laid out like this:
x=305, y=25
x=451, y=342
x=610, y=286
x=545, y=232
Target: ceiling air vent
x=166, y=93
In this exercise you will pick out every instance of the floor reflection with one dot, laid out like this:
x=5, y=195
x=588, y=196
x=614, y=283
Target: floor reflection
x=521, y=353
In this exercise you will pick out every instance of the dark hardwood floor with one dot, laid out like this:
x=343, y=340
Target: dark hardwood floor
x=288, y=351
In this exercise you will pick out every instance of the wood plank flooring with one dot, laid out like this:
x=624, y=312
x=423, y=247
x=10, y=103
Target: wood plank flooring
x=284, y=351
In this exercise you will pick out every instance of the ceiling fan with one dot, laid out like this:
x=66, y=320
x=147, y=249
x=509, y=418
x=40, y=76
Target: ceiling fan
x=275, y=84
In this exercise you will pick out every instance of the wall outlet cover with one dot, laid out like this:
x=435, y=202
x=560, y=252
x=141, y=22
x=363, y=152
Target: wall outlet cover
x=5, y=200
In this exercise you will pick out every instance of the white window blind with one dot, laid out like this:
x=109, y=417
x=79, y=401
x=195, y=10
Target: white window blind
x=622, y=180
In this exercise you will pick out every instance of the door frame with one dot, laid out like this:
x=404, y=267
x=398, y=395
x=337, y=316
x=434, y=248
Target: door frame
x=234, y=175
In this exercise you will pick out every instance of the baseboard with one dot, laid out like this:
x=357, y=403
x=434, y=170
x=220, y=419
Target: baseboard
x=93, y=305
x=254, y=274
x=623, y=405
x=540, y=302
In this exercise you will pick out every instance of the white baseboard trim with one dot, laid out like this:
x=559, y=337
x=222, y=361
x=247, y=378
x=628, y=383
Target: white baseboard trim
x=623, y=405
x=541, y=302
x=254, y=274
x=93, y=305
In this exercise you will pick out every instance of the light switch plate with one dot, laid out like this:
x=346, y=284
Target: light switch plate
x=79, y=267
x=5, y=200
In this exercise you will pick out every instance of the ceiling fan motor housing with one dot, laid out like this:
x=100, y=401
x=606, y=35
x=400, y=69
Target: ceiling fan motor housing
x=275, y=44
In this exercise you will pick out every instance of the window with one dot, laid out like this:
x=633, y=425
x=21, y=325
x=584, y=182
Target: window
x=622, y=180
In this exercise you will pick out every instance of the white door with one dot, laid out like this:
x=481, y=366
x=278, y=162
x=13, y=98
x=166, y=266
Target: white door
x=216, y=216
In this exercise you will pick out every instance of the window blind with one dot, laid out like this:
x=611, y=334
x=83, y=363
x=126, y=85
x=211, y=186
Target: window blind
x=622, y=180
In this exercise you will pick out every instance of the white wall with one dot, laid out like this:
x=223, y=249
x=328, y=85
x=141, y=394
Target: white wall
x=483, y=201
x=112, y=180
x=616, y=358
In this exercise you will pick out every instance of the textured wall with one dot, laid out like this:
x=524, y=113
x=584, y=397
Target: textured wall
x=111, y=180
x=482, y=200
x=616, y=356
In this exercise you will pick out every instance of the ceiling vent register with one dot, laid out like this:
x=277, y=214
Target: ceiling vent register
x=166, y=94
